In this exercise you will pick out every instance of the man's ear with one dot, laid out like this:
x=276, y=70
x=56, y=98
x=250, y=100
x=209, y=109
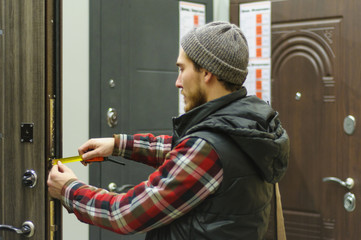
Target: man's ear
x=207, y=76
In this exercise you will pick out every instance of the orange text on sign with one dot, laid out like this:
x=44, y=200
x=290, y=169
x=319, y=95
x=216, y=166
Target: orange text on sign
x=258, y=73
x=259, y=41
x=196, y=20
x=259, y=30
x=259, y=95
x=259, y=52
x=258, y=85
x=259, y=18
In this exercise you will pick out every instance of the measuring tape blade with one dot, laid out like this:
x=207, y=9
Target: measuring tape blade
x=67, y=160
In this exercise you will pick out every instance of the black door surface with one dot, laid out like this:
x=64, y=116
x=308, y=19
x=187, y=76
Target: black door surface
x=134, y=45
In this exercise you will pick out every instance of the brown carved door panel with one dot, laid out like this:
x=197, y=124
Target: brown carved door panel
x=316, y=58
x=303, y=88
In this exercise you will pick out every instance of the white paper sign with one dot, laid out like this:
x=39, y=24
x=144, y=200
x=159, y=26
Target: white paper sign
x=191, y=15
x=255, y=22
x=258, y=81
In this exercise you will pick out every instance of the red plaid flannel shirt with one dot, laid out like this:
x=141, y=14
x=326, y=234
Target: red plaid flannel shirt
x=184, y=177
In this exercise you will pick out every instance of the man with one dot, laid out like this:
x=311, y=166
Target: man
x=214, y=177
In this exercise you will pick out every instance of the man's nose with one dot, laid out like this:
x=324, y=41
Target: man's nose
x=178, y=83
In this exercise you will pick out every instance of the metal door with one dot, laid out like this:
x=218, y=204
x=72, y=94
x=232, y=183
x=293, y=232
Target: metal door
x=27, y=129
x=315, y=88
x=134, y=46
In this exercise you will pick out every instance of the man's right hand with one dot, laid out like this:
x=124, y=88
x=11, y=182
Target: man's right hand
x=96, y=147
x=59, y=175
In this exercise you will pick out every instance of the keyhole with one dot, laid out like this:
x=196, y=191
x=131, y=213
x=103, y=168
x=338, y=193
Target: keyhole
x=349, y=202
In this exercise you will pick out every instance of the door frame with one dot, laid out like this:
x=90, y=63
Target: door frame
x=54, y=112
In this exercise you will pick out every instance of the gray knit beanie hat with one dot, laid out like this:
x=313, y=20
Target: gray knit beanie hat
x=219, y=47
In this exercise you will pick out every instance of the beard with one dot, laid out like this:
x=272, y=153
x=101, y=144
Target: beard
x=194, y=98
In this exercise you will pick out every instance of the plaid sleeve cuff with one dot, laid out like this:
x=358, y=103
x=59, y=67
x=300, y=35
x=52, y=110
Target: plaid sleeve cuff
x=67, y=193
x=120, y=142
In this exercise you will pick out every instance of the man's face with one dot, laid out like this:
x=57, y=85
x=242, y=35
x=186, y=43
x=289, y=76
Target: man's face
x=191, y=82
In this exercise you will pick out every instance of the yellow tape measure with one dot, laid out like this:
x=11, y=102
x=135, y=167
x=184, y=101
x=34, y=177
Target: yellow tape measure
x=67, y=160
x=79, y=159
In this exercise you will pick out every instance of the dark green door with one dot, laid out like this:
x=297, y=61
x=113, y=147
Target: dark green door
x=134, y=45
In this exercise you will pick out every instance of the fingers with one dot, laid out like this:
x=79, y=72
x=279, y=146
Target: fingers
x=89, y=149
x=61, y=167
x=59, y=175
x=85, y=147
x=52, y=183
x=97, y=147
x=91, y=154
x=85, y=163
x=64, y=169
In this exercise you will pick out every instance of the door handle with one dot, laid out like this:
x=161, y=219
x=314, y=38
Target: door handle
x=30, y=178
x=349, y=183
x=114, y=188
x=27, y=229
x=112, y=117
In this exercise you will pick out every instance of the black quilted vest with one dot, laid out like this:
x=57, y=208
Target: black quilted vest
x=240, y=207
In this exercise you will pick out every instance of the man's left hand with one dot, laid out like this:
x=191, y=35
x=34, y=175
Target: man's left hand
x=58, y=176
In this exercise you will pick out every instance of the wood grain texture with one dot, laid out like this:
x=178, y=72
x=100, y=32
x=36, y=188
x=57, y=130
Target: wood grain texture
x=23, y=101
x=316, y=51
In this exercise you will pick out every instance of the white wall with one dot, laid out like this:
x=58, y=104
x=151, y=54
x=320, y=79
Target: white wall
x=221, y=10
x=76, y=92
x=75, y=98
